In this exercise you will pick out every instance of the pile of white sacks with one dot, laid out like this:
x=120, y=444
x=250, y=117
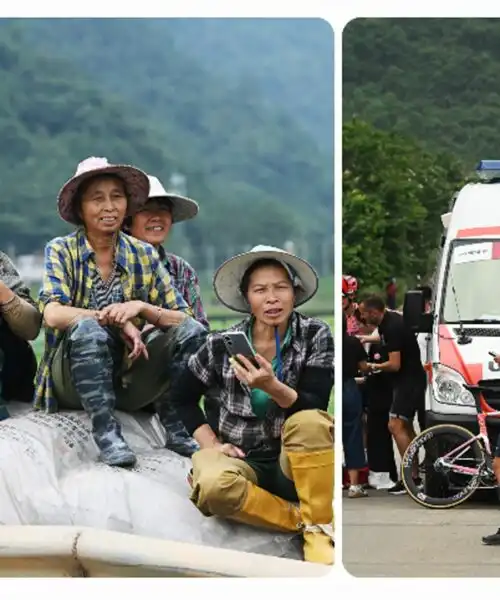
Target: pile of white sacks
x=50, y=475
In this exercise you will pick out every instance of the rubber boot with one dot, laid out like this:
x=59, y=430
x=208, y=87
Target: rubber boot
x=262, y=509
x=91, y=367
x=313, y=477
x=106, y=431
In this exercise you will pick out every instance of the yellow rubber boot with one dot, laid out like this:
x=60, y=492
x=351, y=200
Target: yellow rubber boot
x=263, y=509
x=313, y=475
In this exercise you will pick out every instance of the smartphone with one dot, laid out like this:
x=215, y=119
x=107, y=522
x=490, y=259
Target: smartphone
x=237, y=342
x=493, y=354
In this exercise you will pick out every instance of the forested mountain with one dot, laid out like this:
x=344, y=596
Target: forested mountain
x=123, y=89
x=421, y=101
x=433, y=79
x=290, y=61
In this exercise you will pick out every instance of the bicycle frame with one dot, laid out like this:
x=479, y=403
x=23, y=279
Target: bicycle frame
x=484, y=411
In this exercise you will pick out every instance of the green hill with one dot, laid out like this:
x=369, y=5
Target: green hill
x=433, y=79
x=290, y=62
x=420, y=105
x=120, y=88
x=249, y=154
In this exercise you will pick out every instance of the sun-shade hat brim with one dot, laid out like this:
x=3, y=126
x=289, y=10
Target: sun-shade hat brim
x=135, y=181
x=228, y=277
x=182, y=208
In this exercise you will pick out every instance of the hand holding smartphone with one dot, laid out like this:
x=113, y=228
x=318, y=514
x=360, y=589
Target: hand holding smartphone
x=236, y=342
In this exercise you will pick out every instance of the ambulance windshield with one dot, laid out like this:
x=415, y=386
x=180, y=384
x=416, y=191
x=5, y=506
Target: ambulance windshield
x=472, y=293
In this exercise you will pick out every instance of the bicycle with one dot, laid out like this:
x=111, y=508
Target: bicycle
x=444, y=470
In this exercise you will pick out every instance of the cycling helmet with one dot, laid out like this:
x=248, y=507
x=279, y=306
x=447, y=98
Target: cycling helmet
x=349, y=285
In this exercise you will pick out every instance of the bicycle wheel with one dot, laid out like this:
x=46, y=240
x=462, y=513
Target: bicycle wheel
x=443, y=486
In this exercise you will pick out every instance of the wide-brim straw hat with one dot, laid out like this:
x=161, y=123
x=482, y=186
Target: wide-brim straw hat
x=228, y=277
x=135, y=181
x=182, y=208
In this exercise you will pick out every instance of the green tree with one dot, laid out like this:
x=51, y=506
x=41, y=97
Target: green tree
x=393, y=195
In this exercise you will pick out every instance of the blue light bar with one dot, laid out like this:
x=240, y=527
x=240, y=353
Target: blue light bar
x=488, y=169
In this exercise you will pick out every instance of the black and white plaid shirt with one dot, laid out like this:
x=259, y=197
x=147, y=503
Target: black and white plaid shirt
x=307, y=368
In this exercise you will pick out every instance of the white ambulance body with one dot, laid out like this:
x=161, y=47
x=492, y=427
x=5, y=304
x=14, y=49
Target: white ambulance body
x=466, y=305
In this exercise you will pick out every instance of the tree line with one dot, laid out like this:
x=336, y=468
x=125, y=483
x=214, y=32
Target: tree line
x=121, y=89
x=394, y=192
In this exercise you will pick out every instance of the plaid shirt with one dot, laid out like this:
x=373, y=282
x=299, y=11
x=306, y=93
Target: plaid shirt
x=68, y=279
x=311, y=346
x=186, y=282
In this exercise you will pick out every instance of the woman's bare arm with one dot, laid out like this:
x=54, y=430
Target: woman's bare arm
x=61, y=317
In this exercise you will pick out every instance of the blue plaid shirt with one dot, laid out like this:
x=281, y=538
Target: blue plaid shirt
x=69, y=279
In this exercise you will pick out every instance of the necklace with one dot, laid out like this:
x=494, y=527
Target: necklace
x=106, y=282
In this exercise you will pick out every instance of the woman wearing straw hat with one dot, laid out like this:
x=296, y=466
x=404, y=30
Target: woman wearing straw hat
x=100, y=287
x=273, y=444
x=152, y=224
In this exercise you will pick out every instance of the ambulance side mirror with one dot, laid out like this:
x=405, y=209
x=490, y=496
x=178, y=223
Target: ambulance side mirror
x=414, y=312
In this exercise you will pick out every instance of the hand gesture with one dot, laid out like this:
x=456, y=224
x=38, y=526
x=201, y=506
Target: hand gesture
x=230, y=450
x=133, y=339
x=119, y=314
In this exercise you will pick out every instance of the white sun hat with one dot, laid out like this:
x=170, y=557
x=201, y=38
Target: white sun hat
x=182, y=208
x=228, y=277
x=135, y=181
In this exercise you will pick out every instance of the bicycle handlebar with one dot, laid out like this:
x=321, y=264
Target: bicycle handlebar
x=476, y=391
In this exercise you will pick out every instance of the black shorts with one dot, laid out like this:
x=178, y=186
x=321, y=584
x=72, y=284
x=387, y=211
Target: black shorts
x=408, y=396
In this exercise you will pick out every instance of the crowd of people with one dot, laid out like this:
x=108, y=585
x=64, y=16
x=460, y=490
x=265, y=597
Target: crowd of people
x=125, y=329
x=384, y=386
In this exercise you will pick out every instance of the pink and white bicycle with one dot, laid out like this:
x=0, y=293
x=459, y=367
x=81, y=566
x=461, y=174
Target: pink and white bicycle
x=453, y=462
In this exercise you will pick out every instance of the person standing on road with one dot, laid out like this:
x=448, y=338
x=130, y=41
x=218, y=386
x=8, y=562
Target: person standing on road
x=354, y=361
x=380, y=447
x=405, y=366
x=494, y=538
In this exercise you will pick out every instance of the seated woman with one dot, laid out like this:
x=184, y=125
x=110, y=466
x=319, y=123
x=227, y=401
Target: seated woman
x=20, y=321
x=100, y=287
x=273, y=445
x=152, y=224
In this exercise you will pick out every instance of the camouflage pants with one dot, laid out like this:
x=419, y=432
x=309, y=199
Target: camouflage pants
x=90, y=370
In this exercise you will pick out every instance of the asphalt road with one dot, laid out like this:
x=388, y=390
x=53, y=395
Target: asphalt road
x=386, y=536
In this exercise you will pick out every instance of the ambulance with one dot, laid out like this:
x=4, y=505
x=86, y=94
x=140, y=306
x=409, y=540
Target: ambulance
x=462, y=327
